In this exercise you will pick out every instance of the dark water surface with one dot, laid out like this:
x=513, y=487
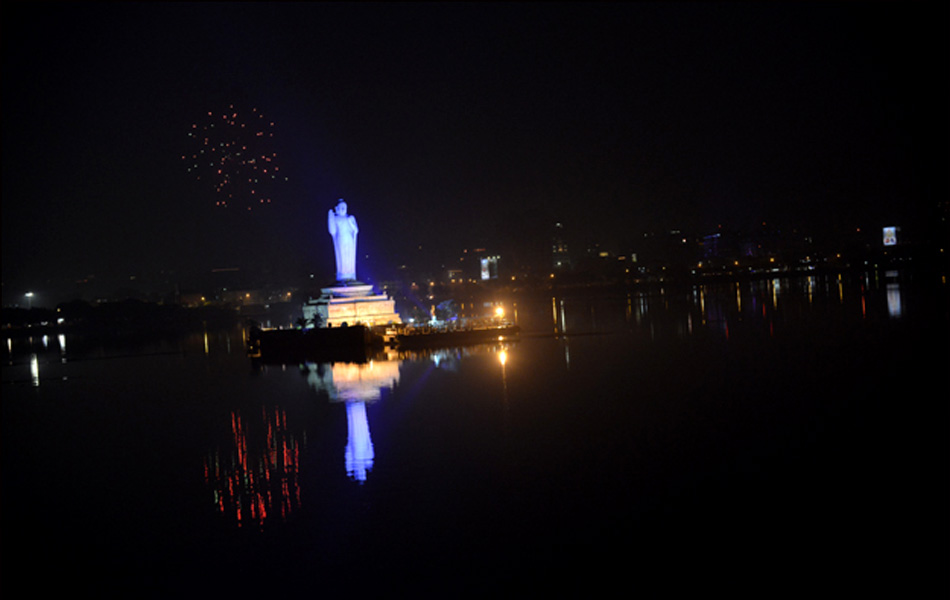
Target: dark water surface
x=752, y=438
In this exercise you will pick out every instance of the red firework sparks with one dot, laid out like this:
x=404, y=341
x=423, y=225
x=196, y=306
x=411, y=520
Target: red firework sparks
x=233, y=152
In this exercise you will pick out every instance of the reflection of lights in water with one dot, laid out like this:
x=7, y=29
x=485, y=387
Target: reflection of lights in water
x=840, y=290
x=45, y=340
x=253, y=482
x=359, y=446
x=364, y=382
x=702, y=308
x=444, y=359
x=560, y=325
x=356, y=384
x=503, y=360
x=353, y=381
x=206, y=342
x=61, y=338
x=894, y=299
x=34, y=370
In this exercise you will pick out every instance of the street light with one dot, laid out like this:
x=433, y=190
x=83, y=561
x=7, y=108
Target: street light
x=29, y=299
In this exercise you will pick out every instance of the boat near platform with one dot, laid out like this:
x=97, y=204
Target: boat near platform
x=356, y=343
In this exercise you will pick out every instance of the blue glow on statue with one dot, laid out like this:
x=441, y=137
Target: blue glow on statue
x=343, y=230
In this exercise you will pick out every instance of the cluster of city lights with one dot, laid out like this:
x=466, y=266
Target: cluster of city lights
x=233, y=152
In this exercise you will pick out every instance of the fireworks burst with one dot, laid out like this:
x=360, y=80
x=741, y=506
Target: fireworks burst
x=233, y=152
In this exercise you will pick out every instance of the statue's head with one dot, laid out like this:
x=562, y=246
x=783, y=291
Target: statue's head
x=340, y=207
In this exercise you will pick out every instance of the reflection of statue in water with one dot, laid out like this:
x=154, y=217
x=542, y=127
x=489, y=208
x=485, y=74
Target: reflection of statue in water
x=359, y=453
x=343, y=229
x=355, y=384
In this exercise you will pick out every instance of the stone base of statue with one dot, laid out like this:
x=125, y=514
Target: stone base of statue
x=350, y=303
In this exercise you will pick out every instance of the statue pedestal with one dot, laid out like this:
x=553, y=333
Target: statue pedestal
x=351, y=303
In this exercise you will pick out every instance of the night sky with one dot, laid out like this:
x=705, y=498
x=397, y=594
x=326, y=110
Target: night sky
x=457, y=125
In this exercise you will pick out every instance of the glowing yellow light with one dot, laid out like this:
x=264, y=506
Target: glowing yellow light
x=499, y=312
x=502, y=357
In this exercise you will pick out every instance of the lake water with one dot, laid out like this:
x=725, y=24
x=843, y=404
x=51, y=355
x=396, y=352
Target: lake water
x=753, y=439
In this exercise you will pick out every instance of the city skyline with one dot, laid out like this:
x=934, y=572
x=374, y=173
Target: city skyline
x=446, y=126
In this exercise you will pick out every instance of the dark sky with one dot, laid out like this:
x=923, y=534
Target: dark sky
x=458, y=124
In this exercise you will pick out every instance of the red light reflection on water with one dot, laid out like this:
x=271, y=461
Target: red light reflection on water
x=258, y=476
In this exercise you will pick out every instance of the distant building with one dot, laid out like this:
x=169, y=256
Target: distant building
x=560, y=257
x=472, y=266
x=455, y=275
x=488, y=268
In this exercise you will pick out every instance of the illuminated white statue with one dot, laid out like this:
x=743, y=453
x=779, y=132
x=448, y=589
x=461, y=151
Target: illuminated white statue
x=343, y=229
